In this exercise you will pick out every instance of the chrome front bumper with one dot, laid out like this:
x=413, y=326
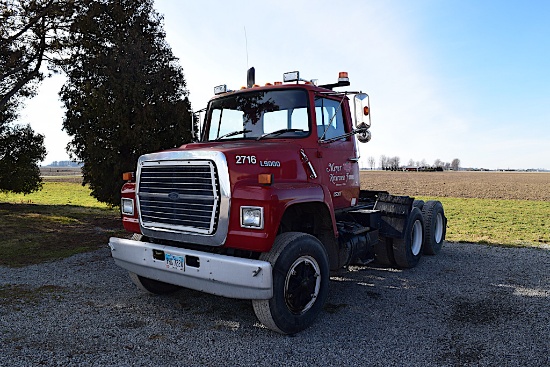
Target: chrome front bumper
x=222, y=275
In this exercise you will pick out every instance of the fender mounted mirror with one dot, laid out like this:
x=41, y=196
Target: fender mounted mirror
x=361, y=105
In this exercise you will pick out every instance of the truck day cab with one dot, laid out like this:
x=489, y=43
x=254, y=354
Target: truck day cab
x=268, y=202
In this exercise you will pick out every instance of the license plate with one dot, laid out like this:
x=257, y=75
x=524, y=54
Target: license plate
x=174, y=262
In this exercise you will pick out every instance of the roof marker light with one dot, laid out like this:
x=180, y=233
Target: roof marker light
x=343, y=76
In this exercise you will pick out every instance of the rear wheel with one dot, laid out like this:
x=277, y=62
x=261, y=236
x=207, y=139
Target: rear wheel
x=419, y=204
x=300, y=283
x=408, y=250
x=383, y=251
x=435, y=227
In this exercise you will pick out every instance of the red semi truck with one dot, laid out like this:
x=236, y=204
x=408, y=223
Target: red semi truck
x=268, y=202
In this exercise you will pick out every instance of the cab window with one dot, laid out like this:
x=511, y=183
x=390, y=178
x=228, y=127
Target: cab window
x=329, y=117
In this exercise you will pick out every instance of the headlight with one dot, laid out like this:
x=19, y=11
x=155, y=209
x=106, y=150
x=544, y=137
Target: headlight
x=127, y=206
x=252, y=217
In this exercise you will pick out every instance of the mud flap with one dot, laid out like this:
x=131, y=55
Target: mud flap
x=395, y=212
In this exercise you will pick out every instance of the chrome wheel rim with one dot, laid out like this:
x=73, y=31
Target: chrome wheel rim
x=416, y=238
x=302, y=284
x=438, y=228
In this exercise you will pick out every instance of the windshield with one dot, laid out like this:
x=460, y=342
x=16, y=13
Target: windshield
x=259, y=115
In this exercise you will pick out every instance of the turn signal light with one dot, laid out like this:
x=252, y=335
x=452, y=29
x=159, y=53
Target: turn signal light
x=366, y=110
x=128, y=176
x=265, y=178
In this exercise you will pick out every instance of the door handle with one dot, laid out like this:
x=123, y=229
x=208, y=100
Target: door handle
x=354, y=159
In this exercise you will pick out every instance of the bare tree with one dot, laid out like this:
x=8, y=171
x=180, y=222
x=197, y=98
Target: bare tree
x=394, y=163
x=411, y=163
x=371, y=162
x=438, y=163
x=455, y=164
x=383, y=162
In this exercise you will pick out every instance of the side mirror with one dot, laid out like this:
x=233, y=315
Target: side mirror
x=361, y=105
x=363, y=134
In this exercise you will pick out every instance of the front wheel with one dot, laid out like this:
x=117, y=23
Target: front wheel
x=151, y=285
x=300, y=283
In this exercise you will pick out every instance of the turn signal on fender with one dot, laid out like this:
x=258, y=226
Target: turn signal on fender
x=265, y=178
x=128, y=176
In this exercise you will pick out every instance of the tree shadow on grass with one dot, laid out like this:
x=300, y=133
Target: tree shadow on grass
x=32, y=234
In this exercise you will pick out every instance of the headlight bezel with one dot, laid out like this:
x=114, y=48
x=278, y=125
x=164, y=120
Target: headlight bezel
x=252, y=217
x=127, y=206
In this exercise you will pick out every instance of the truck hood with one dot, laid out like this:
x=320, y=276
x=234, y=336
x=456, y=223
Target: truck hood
x=241, y=147
x=246, y=159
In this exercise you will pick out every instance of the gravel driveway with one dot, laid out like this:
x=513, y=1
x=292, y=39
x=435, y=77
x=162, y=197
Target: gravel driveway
x=471, y=305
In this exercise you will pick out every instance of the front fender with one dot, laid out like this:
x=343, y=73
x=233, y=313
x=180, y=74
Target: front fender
x=275, y=199
x=130, y=223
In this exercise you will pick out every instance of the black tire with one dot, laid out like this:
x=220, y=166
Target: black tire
x=383, y=251
x=418, y=204
x=300, y=283
x=152, y=286
x=435, y=227
x=407, y=251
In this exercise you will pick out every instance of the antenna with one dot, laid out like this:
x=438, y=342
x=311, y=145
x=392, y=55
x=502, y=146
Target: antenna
x=246, y=45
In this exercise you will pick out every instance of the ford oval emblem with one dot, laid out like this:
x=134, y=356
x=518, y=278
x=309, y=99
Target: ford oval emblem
x=173, y=196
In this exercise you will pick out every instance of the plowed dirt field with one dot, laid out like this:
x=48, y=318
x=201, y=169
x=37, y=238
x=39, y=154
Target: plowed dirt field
x=482, y=185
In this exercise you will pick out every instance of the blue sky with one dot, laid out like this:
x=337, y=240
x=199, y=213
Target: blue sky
x=447, y=79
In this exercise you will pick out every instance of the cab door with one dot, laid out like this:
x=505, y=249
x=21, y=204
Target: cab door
x=338, y=157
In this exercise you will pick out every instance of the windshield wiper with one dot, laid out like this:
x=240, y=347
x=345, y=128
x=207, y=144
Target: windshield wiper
x=233, y=133
x=279, y=132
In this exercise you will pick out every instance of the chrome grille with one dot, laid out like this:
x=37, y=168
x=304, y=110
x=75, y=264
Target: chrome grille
x=180, y=196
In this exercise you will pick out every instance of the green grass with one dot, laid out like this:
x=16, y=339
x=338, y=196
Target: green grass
x=56, y=193
x=497, y=222
x=63, y=219
x=57, y=222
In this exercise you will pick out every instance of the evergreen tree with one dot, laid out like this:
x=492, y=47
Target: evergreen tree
x=20, y=152
x=126, y=93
